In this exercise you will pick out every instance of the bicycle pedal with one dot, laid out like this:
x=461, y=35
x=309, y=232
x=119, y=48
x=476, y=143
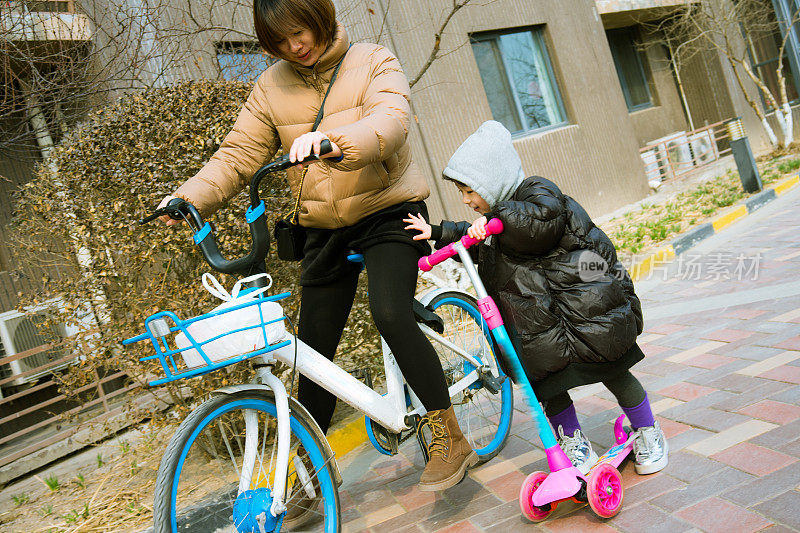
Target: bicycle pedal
x=386, y=437
x=491, y=383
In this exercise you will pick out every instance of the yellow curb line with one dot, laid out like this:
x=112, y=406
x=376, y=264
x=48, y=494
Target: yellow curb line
x=729, y=218
x=639, y=270
x=786, y=184
x=347, y=438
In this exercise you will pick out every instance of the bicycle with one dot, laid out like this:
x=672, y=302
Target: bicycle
x=266, y=450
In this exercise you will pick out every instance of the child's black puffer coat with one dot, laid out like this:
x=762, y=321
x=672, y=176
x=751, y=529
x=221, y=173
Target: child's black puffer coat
x=568, y=302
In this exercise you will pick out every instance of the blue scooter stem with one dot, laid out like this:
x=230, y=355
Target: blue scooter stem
x=543, y=425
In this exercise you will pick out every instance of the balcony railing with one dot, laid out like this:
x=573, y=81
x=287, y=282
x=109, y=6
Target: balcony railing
x=43, y=21
x=25, y=6
x=683, y=152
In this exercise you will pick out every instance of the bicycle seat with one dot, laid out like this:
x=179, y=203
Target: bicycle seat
x=426, y=316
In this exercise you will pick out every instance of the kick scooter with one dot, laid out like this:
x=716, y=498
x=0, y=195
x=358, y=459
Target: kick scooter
x=541, y=492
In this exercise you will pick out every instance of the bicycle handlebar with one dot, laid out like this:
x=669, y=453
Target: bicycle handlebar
x=180, y=209
x=426, y=263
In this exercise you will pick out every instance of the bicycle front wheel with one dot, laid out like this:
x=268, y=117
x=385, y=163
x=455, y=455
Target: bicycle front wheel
x=484, y=416
x=203, y=482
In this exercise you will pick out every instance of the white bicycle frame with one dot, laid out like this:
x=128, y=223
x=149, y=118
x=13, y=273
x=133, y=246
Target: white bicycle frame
x=388, y=410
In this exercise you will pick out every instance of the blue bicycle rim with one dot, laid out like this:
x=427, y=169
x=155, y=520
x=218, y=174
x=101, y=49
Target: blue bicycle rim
x=314, y=453
x=505, y=391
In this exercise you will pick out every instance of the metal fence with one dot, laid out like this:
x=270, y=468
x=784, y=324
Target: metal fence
x=34, y=414
x=684, y=152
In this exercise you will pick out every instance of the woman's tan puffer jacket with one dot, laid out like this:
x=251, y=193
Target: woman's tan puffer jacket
x=366, y=115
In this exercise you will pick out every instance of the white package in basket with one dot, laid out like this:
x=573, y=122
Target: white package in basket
x=238, y=343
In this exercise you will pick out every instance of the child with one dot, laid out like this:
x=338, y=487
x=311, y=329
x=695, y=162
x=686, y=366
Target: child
x=571, y=324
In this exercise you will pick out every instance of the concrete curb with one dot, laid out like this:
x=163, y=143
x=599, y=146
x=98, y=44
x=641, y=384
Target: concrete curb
x=689, y=239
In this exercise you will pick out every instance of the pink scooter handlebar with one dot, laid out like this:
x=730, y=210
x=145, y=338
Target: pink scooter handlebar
x=493, y=227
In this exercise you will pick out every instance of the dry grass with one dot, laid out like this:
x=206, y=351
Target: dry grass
x=651, y=226
x=114, y=497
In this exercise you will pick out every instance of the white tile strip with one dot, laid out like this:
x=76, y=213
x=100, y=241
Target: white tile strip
x=768, y=364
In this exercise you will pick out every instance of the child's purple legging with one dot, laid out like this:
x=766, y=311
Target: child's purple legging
x=629, y=393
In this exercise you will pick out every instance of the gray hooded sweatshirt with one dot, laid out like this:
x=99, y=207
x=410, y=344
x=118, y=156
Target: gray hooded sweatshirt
x=487, y=163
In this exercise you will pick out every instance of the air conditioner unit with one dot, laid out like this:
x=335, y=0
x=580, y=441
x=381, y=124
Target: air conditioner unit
x=652, y=164
x=704, y=148
x=20, y=332
x=674, y=154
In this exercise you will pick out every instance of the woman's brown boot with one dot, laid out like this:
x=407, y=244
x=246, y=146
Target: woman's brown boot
x=450, y=453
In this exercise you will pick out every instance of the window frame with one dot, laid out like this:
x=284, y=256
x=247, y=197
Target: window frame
x=633, y=33
x=537, y=34
x=756, y=67
x=241, y=48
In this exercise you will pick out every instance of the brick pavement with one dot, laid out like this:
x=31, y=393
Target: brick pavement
x=723, y=375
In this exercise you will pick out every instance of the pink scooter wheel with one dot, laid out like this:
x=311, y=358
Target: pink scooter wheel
x=529, y=486
x=604, y=490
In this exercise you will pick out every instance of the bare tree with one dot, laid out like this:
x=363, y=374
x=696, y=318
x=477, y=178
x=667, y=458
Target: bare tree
x=734, y=29
x=61, y=59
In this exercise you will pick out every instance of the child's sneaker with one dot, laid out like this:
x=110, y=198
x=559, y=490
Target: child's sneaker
x=650, y=449
x=578, y=449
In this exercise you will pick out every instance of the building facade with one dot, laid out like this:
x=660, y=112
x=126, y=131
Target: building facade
x=581, y=84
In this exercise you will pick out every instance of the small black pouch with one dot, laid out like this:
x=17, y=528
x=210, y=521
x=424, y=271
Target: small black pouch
x=290, y=238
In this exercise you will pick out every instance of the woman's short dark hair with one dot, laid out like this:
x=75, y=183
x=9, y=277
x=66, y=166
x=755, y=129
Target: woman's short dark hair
x=272, y=18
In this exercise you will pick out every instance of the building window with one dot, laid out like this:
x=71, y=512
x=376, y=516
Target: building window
x=242, y=61
x=630, y=70
x=518, y=79
x=763, y=48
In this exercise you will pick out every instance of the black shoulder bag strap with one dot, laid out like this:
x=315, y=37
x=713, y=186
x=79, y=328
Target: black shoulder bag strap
x=296, y=212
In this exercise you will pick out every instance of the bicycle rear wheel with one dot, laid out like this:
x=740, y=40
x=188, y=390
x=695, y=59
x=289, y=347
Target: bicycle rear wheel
x=484, y=416
x=198, y=481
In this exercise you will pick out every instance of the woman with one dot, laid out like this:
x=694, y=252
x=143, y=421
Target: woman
x=356, y=198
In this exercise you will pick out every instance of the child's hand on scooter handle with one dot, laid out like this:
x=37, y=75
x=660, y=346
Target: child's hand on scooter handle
x=478, y=229
x=417, y=222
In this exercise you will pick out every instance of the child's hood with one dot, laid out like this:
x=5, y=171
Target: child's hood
x=487, y=163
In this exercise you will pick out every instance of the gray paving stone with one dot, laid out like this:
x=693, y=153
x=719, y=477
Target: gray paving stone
x=686, y=438
x=698, y=490
x=766, y=487
x=436, y=508
x=516, y=446
x=652, y=486
x=495, y=515
x=460, y=510
x=698, y=403
x=658, y=367
x=779, y=436
x=737, y=383
x=784, y=509
x=793, y=448
x=672, y=379
x=754, y=353
x=750, y=397
x=719, y=372
x=517, y=523
x=788, y=396
x=645, y=518
x=689, y=467
x=710, y=419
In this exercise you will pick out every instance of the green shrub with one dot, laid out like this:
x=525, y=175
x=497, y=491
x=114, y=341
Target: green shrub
x=112, y=170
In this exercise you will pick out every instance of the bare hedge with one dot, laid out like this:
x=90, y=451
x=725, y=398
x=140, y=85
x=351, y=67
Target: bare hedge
x=112, y=170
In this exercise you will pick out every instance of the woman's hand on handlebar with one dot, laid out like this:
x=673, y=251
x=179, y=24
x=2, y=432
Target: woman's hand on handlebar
x=166, y=219
x=416, y=222
x=308, y=143
x=478, y=229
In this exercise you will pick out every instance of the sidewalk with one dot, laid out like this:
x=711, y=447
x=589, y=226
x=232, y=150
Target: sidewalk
x=724, y=382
